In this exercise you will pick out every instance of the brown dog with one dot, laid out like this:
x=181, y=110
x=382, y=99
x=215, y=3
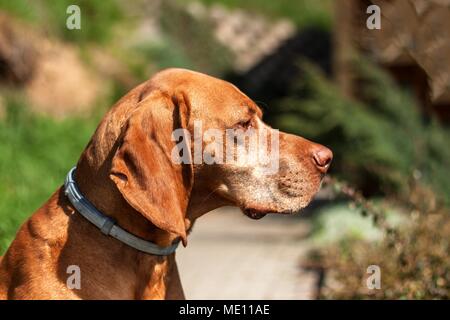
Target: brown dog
x=127, y=173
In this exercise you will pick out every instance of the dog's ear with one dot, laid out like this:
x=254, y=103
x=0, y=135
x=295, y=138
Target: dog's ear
x=142, y=167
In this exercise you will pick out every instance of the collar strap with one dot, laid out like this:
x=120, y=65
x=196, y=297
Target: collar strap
x=106, y=224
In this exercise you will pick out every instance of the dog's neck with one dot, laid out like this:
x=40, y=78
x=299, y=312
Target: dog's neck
x=126, y=273
x=98, y=188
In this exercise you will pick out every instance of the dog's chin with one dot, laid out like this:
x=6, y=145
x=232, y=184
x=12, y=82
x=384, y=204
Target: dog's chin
x=286, y=205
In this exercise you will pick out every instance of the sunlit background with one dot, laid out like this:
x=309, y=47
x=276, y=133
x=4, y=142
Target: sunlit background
x=380, y=99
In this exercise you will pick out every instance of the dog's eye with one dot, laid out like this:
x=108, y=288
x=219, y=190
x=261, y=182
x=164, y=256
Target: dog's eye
x=244, y=124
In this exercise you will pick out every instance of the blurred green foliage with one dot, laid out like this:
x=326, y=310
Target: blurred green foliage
x=339, y=220
x=98, y=17
x=195, y=39
x=36, y=154
x=165, y=54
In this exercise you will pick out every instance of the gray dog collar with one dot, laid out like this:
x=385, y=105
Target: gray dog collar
x=106, y=224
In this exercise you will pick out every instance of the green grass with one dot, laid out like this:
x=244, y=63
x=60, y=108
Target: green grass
x=35, y=154
x=98, y=17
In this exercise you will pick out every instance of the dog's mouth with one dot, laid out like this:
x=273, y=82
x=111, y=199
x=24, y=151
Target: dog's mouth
x=257, y=214
x=254, y=213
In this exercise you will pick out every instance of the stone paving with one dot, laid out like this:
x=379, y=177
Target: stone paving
x=230, y=256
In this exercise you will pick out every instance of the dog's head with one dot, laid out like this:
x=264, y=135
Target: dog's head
x=185, y=143
x=242, y=160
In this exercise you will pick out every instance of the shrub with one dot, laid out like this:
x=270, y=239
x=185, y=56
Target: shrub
x=414, y=260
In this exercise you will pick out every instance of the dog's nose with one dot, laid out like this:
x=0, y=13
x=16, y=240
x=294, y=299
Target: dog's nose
x=322, y=158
